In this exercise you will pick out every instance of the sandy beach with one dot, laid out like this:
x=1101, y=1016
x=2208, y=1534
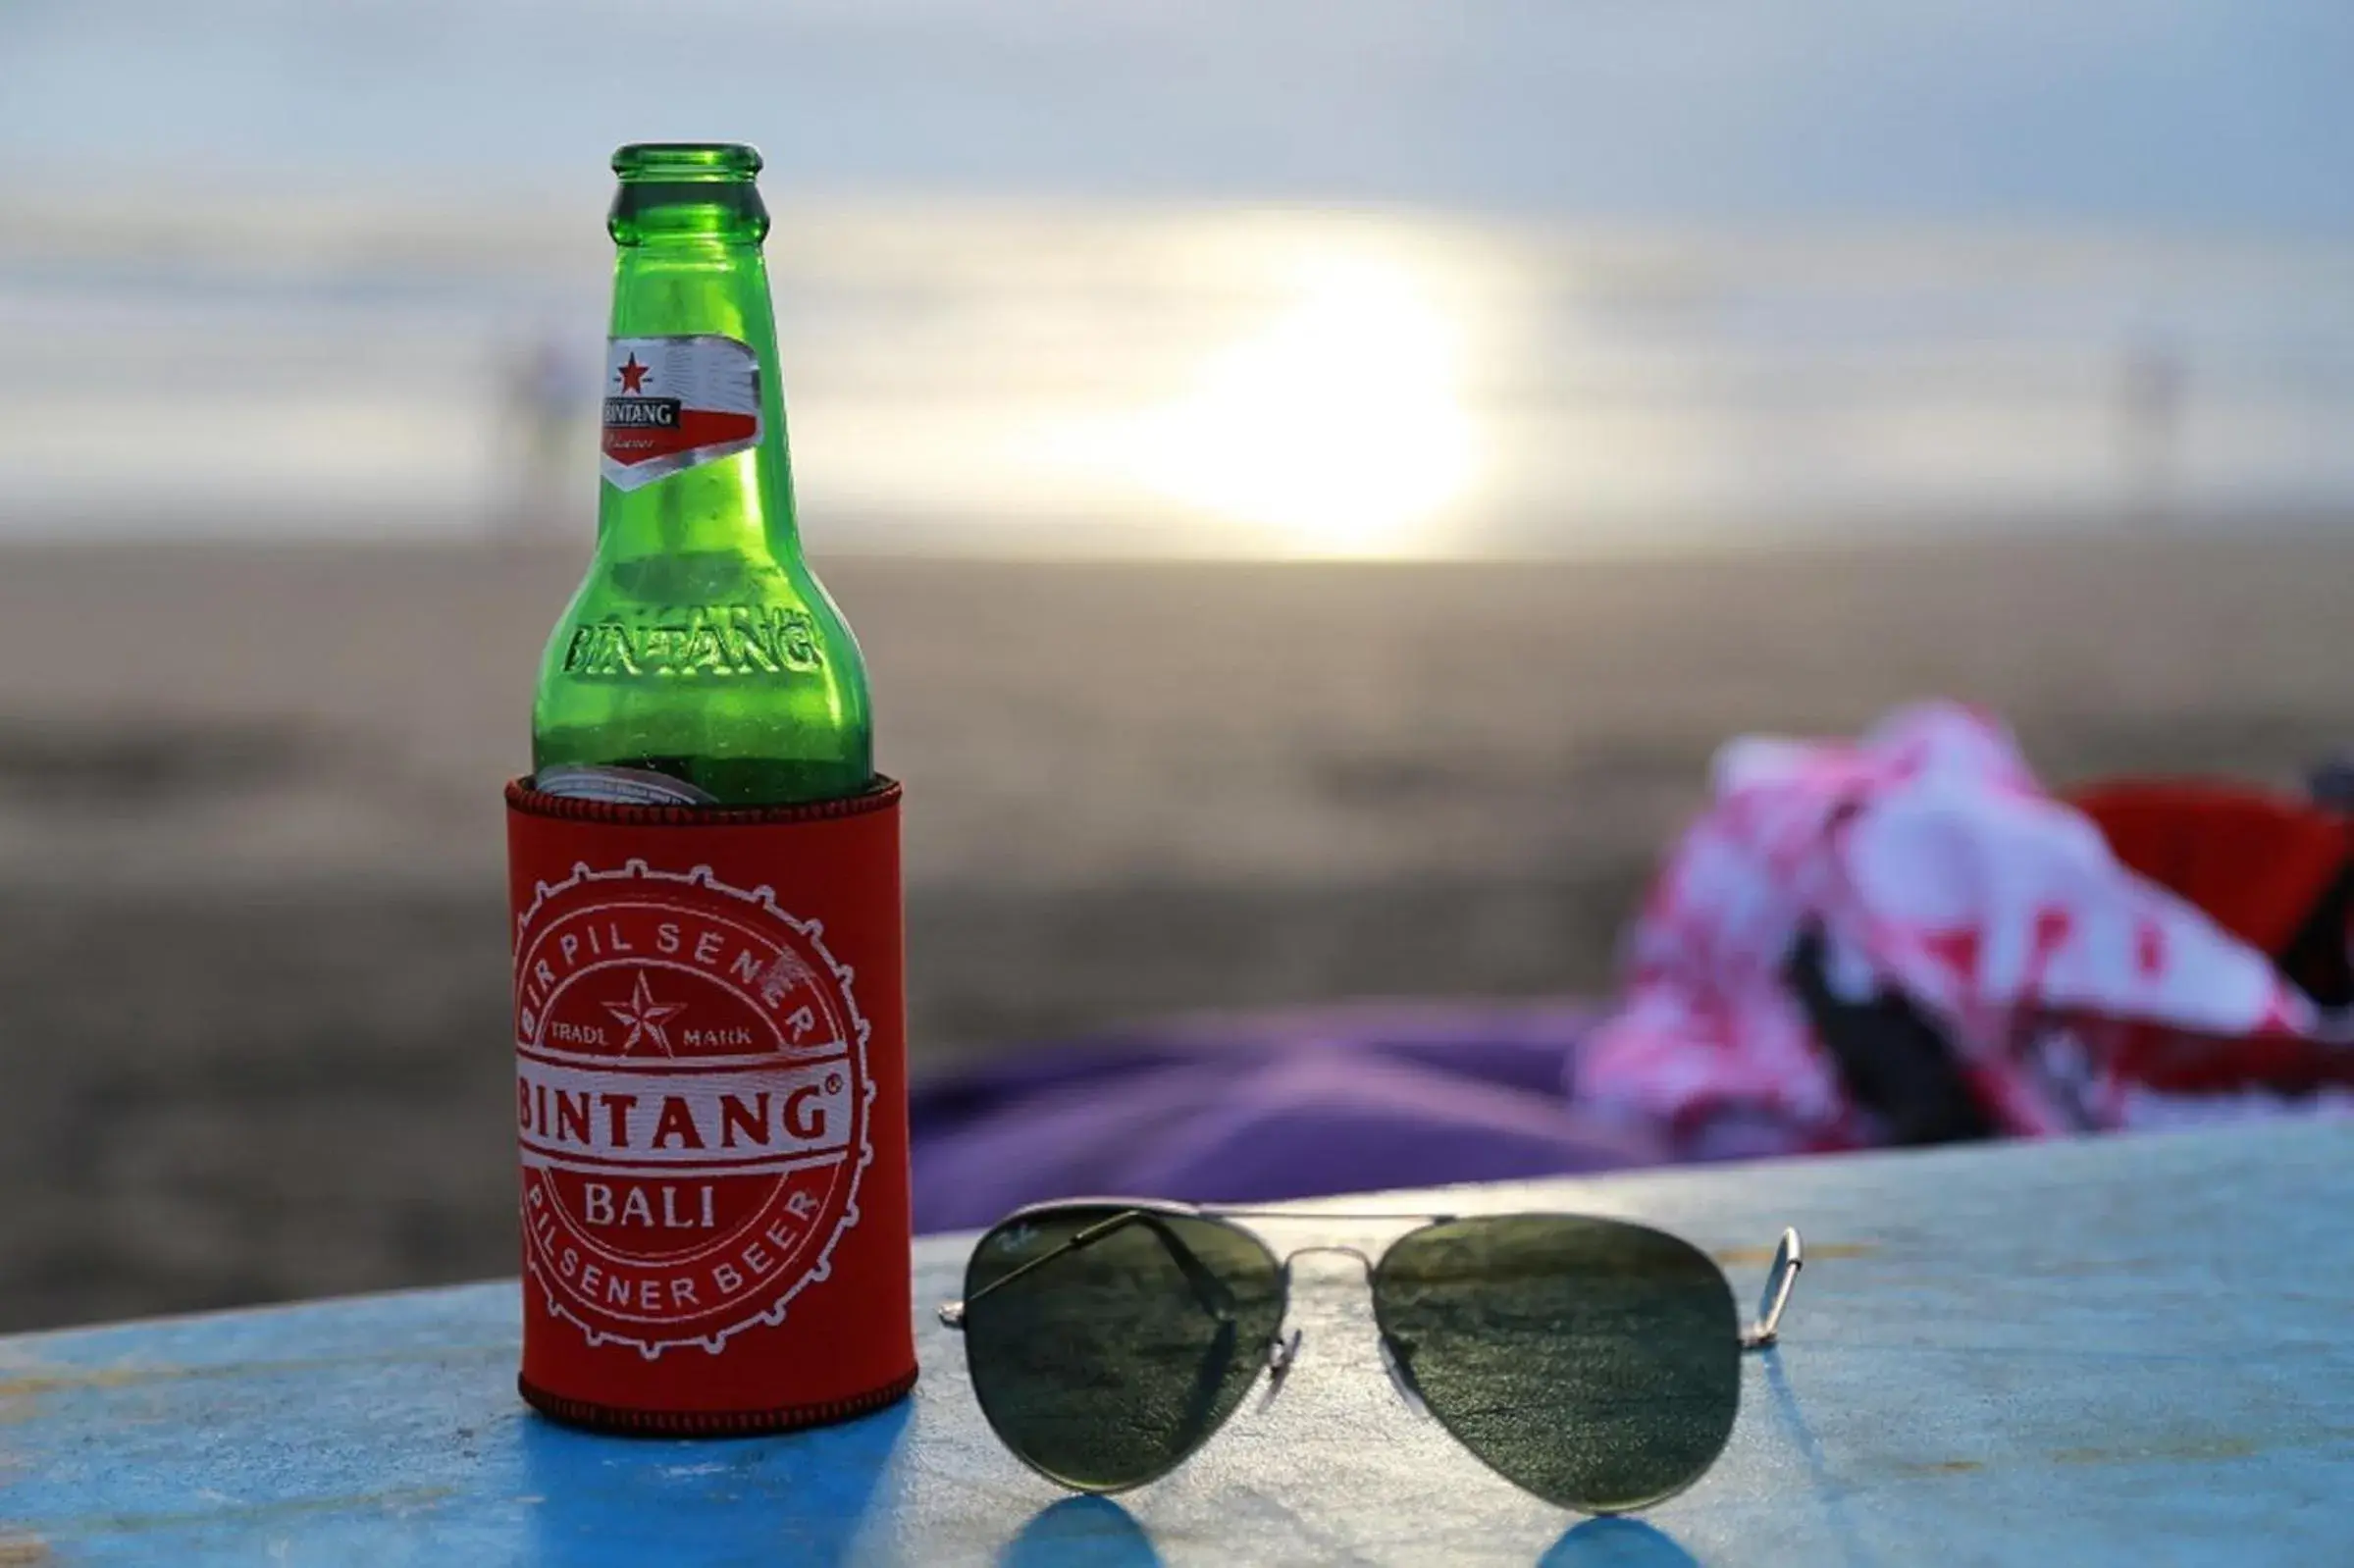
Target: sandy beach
x=250, y=859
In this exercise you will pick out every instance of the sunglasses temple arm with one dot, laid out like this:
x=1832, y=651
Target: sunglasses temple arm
x=1789, y=1258
x=1208, y=1290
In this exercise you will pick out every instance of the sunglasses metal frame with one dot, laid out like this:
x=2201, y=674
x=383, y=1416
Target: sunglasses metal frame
x=1760, y=1333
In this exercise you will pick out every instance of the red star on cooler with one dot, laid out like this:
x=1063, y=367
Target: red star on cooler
x=632, y=373
x=645, y=1017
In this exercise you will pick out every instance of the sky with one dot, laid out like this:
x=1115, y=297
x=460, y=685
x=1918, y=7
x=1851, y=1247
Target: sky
x=2178, y=114
x=1887, y=258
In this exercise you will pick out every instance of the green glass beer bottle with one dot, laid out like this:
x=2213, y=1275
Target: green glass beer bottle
x=701, y=661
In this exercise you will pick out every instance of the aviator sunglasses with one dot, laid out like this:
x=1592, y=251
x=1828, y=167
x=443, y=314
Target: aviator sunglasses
x=1592, y=1362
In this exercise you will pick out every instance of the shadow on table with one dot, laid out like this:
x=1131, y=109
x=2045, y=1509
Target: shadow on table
x=800, y=1498
x=1616, y=1544
x=1089, y=1530
x=1811, y=1449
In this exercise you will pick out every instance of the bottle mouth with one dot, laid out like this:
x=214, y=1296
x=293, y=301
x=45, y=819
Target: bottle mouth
x=686, y=162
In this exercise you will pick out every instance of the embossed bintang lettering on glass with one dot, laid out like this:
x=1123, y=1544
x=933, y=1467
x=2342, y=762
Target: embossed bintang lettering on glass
x=711, y=640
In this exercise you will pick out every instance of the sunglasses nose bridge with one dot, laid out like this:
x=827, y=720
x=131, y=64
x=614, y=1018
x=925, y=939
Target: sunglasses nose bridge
x=1284, y=1353
x=1363, y=1259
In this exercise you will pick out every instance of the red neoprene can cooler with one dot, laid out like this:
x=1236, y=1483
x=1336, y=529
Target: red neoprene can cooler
x=710, y=1108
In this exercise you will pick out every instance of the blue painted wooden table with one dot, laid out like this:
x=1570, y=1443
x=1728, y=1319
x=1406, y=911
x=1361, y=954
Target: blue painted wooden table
x=2121, y=1352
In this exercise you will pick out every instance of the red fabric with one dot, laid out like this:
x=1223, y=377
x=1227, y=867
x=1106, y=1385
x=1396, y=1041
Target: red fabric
x=2255, y=862
x=2076, y=993
x=2258, y=865
x=712, y=1111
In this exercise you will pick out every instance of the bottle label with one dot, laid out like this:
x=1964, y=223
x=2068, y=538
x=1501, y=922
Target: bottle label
x=671, y=403
x=620, y=786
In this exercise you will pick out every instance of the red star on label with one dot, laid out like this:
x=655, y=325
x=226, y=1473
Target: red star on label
x=645, y=1017
x=632, y=373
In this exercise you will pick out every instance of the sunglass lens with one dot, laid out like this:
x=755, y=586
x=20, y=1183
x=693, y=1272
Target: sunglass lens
x=1594, y=1363
x=1106, y=1343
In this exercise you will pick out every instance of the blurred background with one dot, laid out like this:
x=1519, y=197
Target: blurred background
x=1314, y=482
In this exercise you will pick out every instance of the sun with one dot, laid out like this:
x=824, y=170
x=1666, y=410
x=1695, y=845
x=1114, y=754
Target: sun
x=1337, y=430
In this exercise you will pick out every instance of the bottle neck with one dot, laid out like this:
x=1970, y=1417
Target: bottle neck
x=702, y=286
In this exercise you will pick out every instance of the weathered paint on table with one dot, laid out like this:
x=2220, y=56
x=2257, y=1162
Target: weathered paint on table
x=2124, y=1352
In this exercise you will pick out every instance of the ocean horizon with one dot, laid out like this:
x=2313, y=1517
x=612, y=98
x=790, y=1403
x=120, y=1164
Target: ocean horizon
x=1087, y=379
x=1285, y=279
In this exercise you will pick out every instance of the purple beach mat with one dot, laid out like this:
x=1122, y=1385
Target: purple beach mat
x=1264, y=1107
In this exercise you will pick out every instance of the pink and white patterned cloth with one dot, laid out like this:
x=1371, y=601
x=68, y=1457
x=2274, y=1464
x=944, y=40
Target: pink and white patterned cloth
x=1936, y=868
